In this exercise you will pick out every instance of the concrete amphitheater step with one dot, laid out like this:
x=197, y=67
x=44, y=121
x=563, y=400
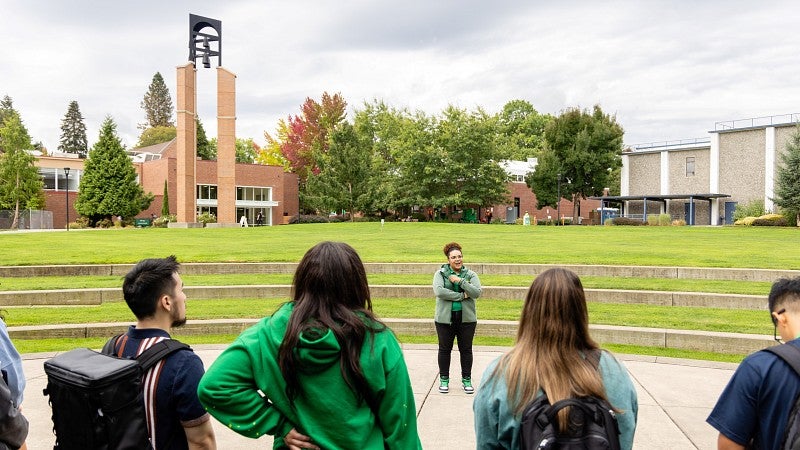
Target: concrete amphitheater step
x=731, y=343
x=76, y=297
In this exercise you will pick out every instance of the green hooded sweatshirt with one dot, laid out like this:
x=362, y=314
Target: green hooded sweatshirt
x=327, y=410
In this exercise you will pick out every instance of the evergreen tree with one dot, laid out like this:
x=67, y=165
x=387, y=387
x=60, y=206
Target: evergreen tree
x=73, y=132
x=203, y=147
x=787, y=182
x=108, y=187
x=21, y=186
x=165, y=201
x=157, y=104
x=6, y=110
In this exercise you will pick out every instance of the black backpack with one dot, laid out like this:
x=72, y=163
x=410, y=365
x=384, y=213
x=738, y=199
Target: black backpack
x=592, y=423
x=97, y=398
x=791, y=434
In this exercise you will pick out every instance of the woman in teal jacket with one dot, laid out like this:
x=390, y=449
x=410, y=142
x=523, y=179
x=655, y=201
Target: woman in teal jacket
x=550, y=355
x=456, y=289
x=322, y=372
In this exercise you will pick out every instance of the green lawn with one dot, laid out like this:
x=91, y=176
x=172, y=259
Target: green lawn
x=415, y=242
x=757, y=247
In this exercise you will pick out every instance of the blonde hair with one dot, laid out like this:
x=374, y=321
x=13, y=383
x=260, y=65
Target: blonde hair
x=552, y=342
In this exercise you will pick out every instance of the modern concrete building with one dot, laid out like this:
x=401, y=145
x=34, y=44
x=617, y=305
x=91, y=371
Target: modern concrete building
x=702, y=180
x=265, y=189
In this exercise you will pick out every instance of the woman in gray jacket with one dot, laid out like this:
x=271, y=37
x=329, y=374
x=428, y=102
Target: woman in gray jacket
x=456, y=289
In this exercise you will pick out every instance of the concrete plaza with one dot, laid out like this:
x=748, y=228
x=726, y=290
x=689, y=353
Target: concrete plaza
x=675, y=397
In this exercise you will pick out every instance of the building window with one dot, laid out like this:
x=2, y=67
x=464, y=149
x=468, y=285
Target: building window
x=253, y=194
x=690, y=166
x=54, y=179
x=206, y=192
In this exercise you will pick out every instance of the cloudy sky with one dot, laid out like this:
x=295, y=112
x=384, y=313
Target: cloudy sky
x=668, y=70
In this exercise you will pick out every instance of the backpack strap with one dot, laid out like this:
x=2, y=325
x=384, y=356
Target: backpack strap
x=159, y=351
x=111, y=345
x=789, y=353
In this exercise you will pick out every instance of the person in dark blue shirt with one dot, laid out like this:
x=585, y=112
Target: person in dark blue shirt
x=176, y=419
x=753, y=410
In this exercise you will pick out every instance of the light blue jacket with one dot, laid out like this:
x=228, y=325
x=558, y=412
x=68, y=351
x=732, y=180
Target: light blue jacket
x=11, y=363
x=497, y=428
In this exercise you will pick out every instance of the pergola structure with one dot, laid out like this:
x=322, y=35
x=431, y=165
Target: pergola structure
x=623, y=200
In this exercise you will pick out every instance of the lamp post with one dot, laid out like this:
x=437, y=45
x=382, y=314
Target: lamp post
x=558, y=200
x=66, y=196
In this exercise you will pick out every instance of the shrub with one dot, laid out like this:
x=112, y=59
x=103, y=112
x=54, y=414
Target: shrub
x=609, y=221
x=770, y=220
x=80, y=222
x=162, y=221
x=308, y=218
x=745, y=221
x=679, y=223
x=626, y=221
x=207, y=218
x=664, y=219
x=104, y=223
x=652, y=219
x=754, y=208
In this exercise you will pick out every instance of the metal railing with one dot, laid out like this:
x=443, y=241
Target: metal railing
x=671, y=144
x=764, y=121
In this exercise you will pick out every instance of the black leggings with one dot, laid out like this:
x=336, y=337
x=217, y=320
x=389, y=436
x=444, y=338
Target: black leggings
x=464, y=332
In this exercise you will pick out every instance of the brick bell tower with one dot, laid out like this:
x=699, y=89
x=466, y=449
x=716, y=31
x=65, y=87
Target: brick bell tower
x=205, y=42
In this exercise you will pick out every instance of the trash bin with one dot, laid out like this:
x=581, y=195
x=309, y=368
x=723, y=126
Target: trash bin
x=511, y=215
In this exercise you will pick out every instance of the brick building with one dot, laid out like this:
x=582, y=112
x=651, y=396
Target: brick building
x=523, y=200
x=265, y=189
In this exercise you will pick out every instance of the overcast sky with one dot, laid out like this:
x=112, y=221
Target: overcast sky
x=668, y=70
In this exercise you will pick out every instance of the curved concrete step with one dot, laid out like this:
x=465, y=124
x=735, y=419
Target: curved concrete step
x=73, y=297
x=730, y=343
x=703, y=273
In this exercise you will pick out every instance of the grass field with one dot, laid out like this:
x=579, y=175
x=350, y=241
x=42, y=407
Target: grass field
x=774, y=248
x=756, y=247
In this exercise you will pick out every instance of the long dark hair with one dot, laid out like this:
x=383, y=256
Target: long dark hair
x=330, y=291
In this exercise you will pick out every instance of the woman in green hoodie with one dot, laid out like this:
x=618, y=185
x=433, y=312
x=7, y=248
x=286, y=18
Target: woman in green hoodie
x=322, y=372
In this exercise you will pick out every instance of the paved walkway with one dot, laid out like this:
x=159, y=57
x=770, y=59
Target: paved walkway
x=675, y=397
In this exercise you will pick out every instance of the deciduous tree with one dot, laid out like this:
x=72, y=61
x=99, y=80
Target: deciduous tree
x=521, y=130
x=21, y=186
x=270, y=154
x=308, y=132
x=108, y=186
x=584, y=148
x=156, y=135
x=73, y=132
x=343, y=181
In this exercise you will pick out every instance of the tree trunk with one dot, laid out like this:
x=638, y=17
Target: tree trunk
x=576, y=207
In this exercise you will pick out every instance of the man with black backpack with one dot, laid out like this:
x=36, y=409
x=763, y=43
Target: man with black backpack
x=757, y=409
x=153, y=290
